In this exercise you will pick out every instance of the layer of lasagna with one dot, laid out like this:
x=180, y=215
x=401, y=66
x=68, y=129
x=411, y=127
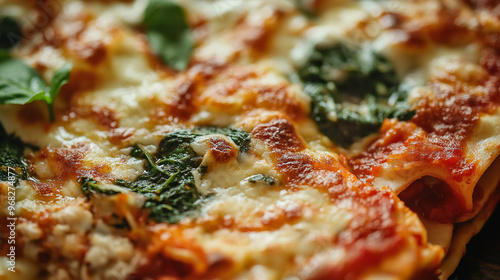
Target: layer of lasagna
x=233, y=139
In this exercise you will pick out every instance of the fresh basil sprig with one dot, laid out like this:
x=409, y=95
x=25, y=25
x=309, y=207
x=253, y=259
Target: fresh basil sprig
x=169, y=33
x=21, y=84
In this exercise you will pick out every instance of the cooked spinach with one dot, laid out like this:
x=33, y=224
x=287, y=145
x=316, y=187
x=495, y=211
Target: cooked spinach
x=262, y=178
x=352, y=91
x=168, y=33
x=167, y=182
x=10, y=33
x=21, y=84
x=90, y=186
x=12, y=163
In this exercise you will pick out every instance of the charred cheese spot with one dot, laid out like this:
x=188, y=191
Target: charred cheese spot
x=187, y=90
x=183, y=107
x=280, y=135
x=93, y=52
x=447, y=31
x=69, y=163
x=221, y=150
x=31, y=114
x=278, y=98
x=66, y=162
x=80, y=81
x=105, y=117
x=47, y=190
x=302, y=169
x=108, y=120
x=298, y=166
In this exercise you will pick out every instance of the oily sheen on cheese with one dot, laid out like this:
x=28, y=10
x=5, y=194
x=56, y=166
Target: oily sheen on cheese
x=287, y=201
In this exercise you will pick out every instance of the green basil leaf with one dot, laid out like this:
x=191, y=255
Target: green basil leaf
x=21, y=84
x=169, y=33
x=61, y=77
x=10, y=33
x=18, y=82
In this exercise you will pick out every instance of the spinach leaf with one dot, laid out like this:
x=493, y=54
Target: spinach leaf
x=168, y=182
x=352, y=91
x=169, y=33
x=262, y=178
x=90, y=186
x=11, y=158
x=10, y=33
x=21, y=84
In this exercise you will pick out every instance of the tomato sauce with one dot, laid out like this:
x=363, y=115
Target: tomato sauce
x=437, y=135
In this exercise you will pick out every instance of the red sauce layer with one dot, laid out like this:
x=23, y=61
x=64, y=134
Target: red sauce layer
x=434, y=200
x=437, y=135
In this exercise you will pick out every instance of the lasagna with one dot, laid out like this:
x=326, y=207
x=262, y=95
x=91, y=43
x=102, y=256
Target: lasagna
x=246, y=139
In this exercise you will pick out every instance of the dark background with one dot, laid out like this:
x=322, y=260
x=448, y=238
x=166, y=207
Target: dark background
x=482, y=260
